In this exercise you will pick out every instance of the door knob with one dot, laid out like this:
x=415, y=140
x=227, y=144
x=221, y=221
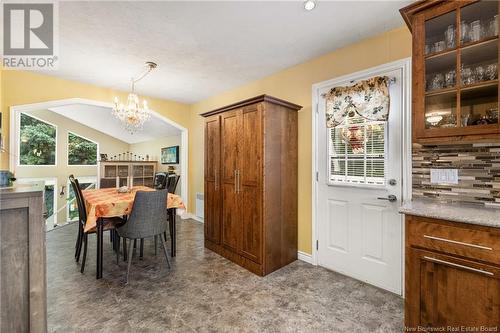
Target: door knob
x=390, y=197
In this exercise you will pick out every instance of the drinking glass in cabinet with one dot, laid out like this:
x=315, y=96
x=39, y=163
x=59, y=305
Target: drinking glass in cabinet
x=440, y=33
x=440, y=71
x=479, y=105
x=479, y=21
x=492, y=71
x=464, y=32
x=450, y=36
x=440, y=110
x=475, y=31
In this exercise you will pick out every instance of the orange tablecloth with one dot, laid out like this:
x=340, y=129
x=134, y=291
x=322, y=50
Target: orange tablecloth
x=107, y=202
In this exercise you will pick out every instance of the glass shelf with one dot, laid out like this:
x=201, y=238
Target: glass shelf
x=440, y=33
x=479, y=106
x=440, y=72
x=460, y=65
x=441, y=110
x=479, y=21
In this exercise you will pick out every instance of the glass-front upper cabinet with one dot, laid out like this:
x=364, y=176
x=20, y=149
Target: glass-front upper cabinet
x=455, y=69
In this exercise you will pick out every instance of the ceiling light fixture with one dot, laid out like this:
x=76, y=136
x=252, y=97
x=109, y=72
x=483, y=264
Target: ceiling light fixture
x=133, y=115
x=309, y=5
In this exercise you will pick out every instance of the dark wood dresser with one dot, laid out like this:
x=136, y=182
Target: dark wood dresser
x=251, y=183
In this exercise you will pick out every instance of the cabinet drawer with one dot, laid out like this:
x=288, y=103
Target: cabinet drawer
x=479, y=243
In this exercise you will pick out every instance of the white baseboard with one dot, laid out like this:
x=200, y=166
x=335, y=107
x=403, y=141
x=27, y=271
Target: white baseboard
x=187, y=215
x=305, y=257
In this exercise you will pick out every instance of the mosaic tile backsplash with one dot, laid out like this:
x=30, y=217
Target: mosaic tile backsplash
x=478, y=173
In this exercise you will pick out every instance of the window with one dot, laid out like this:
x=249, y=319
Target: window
x=37, y=141
x=81, y=151
x=357, y=152
x=85, y=183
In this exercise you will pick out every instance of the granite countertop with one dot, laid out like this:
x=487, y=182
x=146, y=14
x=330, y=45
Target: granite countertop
x=455, y=212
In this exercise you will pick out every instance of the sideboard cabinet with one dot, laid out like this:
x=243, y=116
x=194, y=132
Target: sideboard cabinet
x=251, y=183
x=455, y=70
x=126, y=173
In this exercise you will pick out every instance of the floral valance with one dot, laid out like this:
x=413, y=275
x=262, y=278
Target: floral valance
x=368, y=98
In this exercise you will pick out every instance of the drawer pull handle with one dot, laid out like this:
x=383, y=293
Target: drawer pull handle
x=459, y=266
x=460, y=243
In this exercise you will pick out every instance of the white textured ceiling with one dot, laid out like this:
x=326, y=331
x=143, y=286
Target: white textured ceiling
x=101, y=119
x=204, y=48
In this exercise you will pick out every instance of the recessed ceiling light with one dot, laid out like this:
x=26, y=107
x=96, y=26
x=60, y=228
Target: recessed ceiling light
x=309, y=5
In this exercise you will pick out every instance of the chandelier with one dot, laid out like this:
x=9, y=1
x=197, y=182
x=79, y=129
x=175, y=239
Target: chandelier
x=134, y=114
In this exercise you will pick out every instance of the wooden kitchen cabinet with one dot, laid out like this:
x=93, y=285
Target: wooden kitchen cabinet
x=455, y=70
x=452, y=274
x=251, y=183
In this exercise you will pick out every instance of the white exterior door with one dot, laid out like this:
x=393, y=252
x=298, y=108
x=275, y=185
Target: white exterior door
x=359, y=230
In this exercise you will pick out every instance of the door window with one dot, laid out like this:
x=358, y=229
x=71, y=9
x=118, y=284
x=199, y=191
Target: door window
x=357, y=152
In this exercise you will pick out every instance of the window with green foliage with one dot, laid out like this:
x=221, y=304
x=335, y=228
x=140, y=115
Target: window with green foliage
x=81, y=151
x=37, y=142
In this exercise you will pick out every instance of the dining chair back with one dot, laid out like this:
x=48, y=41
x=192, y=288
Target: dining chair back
x=82, y=217
x=173, y=179
x=148, y=218
x=160, y=180
x=82, y=211
x=109, y=224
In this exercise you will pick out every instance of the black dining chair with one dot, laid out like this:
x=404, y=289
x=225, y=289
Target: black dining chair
x=109, y=224
x=147, y=219
x=160, y=180
x=173, y=179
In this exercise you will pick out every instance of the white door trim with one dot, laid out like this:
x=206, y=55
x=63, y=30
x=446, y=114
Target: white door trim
x=15, y=110
x=405, y=66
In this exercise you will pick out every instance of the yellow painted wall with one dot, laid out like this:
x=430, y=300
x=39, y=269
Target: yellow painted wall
x=295, y=85
x=28, y=87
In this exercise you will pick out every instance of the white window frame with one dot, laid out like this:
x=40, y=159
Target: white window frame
x=18, y=141
x=331, y=182
x=82, y=180
x=67, y=151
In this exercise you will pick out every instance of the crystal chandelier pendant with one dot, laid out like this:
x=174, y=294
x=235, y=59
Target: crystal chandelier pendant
x=133, y=114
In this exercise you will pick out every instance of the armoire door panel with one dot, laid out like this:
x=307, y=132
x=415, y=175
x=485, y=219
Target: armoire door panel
x=212, y=148
x=251, y=219
x=250, y=155
x=249, y=178
x=212, y=204
x=212, y=212
x=230, y=133
x=231, y=222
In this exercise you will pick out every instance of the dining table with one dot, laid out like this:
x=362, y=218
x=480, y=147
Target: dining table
x=109, y=202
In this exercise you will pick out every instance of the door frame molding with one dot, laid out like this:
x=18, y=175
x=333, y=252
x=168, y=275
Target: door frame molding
x=406, y=157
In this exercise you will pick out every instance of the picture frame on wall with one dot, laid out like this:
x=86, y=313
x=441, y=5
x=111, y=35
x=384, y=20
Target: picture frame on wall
x=170, y=155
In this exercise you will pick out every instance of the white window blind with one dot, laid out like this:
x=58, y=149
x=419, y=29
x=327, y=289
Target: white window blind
x=357, y=152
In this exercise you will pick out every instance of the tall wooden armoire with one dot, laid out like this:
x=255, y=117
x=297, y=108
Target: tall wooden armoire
x=251, y=183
